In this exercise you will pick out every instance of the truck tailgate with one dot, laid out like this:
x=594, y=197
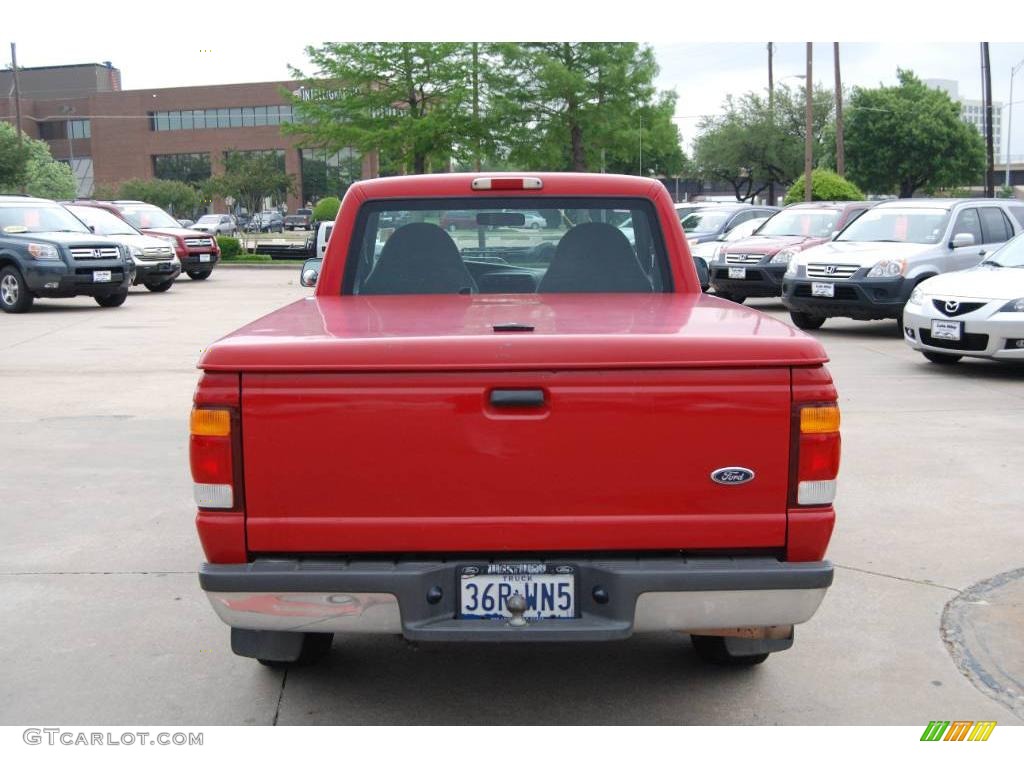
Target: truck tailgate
x=424, y=462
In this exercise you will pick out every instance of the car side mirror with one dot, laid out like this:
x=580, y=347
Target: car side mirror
x=310, y=272
x=962, y=240
x=703, y=273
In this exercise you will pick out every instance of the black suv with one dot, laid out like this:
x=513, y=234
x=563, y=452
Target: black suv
x=46, y=252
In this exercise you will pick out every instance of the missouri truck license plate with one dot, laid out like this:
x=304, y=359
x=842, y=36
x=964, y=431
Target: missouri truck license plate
x=826, y=290
x=101, y=276
x=549, y=590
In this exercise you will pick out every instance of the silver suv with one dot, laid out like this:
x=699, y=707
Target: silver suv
x=869, y=269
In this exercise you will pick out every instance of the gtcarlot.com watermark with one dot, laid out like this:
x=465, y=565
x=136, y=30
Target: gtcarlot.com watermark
x=70, y=738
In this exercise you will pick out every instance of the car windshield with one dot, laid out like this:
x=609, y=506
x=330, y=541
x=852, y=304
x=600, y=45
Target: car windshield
x=800, y=223
x=208, y=220
x=560, y=245
x=1010, y=255
x=103, y=222
x=705, y=220
x=21, y=218
x=148, y=216
x=898, y=225
x=746, y=229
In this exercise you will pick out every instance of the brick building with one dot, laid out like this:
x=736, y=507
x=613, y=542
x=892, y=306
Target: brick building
x=108, y=135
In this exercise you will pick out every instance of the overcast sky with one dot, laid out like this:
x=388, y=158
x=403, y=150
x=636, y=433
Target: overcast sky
x=207, y=44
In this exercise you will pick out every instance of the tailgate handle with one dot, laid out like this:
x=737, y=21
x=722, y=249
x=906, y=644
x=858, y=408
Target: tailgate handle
x=517, y=398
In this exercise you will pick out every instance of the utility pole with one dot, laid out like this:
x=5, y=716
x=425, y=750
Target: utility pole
x=771, y=114
x=17, y=100
x=986, y=94
x=840, y=153
x=641, y=143
x=809, y=129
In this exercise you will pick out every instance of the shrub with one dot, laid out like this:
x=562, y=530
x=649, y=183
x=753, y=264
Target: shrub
x=825, y=185
x=326, y=209
x=229, y=246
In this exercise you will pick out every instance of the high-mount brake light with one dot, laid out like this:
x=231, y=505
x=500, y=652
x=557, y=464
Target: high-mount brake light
x=506, y=183
x=210, y=458
x=818, y=457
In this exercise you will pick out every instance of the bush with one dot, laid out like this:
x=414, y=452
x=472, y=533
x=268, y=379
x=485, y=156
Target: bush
x=825, y=185
x=326, y=209
x=229, y=246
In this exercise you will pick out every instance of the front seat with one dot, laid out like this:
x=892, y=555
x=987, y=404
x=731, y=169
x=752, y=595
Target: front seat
x=419, y=258
x=594, y=258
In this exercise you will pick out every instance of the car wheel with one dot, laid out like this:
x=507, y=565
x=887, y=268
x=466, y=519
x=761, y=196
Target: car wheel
x=199, y=274
x=14, y=295
x=806, y=322
x=940, y=358
x=713, y=650
x=159, y=287
x=731, y=297
x=315, y=645
x=112, y=299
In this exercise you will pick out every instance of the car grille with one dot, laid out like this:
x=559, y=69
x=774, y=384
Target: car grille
x=956, y=308
x=832, y=271
x=743, y=258
x=157, y=253
x=198, y=242
x=969, y=342
x=81, y=254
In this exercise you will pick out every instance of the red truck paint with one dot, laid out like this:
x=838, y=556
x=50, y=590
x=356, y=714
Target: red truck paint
x=362, y=427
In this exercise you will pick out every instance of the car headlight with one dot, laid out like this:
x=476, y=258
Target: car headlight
x=784, y=256
x=135, y=251
x=1017, y=305
x=43, y=252
x=888, y=268
x=791, y=269
x=916, y=296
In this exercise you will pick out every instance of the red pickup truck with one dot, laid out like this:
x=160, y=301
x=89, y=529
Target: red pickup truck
x=505, y=434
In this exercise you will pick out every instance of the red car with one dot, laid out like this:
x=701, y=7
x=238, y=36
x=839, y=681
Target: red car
x=197, y=250
x=524, y=440
x=756, y=265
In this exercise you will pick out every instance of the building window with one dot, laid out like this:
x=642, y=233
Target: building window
x=277, y=154
x=328, y=173
x=261, y=115
x=201, y=119
x=53, y=129
x=191, y=167
x=80, y=129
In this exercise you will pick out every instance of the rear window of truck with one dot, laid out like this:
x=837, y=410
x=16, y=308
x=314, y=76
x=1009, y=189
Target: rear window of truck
x=515, y=245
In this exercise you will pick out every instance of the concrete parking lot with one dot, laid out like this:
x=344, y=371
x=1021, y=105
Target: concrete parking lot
x=104, y=623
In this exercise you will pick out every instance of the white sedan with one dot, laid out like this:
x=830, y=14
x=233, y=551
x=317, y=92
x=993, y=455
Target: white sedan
x=978, y=312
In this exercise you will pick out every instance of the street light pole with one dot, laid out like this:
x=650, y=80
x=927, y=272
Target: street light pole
x=1009, y=122
x=809, y=129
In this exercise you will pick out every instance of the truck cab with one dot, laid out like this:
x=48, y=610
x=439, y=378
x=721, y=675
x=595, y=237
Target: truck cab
x=508, y=434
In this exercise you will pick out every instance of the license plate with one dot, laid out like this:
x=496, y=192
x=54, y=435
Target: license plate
x=101, y=276
x=825, y=290
x=949, y=330
x=737, y=273
x=549, y=590
x=204, y=257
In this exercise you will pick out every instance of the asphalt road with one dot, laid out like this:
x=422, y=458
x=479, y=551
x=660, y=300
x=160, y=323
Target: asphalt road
x=103, y=621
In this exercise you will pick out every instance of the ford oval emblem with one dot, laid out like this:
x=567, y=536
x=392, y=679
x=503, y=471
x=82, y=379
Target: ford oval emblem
x=732, y=475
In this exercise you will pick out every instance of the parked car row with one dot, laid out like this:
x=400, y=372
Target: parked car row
x=93, y=248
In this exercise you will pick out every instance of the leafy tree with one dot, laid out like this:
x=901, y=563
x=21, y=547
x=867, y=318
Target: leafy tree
x=32, y=166
x=171, y=195
x=825, y=185
x=753, y=144
x=409, y=100
x=909, y=137
x=579, y=107
x=326, y=209
x=249, y=178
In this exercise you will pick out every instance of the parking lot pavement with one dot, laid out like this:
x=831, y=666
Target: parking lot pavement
x=104, y=621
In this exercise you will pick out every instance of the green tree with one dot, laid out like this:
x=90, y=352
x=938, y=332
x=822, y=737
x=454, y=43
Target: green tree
x=409, y=100
x=171, y=195
x=33, y=166
x=753, y=144
x=326, y=209
x=909, y=137
x=825, y=185
x=580, y=106
x=250, y=178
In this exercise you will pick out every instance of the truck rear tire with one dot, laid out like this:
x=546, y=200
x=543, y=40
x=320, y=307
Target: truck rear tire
x=14, y=294
x=715, y=650
x=315, y=645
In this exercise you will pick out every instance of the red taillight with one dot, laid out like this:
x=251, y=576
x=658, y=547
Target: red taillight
x=818, y=448
x=210, y=458
x=507, y=183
